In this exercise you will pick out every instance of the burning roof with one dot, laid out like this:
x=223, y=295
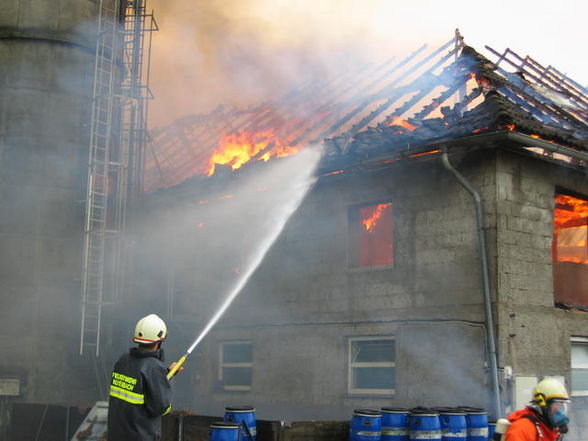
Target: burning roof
x=426, y=99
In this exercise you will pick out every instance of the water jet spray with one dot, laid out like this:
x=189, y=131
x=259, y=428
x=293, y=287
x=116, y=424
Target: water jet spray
x=301, y=169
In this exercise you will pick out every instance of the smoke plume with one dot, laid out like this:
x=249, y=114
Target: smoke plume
x=244, y=52
x=241, y=52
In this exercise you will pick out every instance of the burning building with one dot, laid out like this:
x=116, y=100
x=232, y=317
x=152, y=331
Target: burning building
x=440, y=258
x=443, y=242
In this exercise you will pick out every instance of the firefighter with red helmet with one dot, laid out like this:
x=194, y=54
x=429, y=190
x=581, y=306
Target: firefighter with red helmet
x=545, y=418
x=140, y=392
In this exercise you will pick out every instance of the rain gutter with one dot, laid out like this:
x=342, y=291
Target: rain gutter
x=528, y=141
x=491, y=340
x=504, y=138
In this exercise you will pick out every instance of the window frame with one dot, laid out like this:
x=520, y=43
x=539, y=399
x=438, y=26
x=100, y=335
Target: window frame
x=584, y=342
x=222, y=364
x=353, y=233
x=351, y=365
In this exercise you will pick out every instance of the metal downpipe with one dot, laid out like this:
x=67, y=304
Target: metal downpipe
x=491, y=342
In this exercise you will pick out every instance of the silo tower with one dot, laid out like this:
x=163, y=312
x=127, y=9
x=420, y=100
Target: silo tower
x=73, y=100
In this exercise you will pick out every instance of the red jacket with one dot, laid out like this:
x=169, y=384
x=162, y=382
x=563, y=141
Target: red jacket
x=524, y=429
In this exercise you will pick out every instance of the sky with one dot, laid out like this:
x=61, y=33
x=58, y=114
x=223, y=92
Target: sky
x=242, y=52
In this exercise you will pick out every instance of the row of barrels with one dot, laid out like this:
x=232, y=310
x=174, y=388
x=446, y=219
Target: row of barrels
x=419, y=424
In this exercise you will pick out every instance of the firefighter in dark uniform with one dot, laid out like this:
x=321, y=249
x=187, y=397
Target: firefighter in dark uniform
x=140, y=392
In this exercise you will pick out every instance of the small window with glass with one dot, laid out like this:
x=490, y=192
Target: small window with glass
x=372, y=365
x=236, y=365
x=579, y=365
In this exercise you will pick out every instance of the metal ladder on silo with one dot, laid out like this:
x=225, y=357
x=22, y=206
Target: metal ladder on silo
x=118, y=136
x=135, y=89
x=126, y=160
x=97, y=192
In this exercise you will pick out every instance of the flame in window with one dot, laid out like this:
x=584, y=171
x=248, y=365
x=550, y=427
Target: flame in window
x=373, y=239
x=570, y=234
x=370, y=215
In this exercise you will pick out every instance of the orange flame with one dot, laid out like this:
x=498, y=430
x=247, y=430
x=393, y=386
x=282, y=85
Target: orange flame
x=479, y=130
x=397, y=121
x=431, y=152
x=235, y=149
x=570, y=229
x=372, y=215
x=336, y=172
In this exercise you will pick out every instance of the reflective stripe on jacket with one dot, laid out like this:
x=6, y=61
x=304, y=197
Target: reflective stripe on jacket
x=140, y=394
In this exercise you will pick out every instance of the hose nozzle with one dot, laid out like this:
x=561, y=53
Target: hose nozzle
x=173, y=371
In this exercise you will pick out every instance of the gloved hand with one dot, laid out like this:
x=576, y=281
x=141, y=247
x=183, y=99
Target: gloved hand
x=171, y=366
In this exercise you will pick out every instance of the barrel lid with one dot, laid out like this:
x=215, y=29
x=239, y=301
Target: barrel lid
x=423, y=411
x=225, y=425
x=367, y=412
x=473, y=410
x=450, y=411
x=394, y=409
x=240, y=409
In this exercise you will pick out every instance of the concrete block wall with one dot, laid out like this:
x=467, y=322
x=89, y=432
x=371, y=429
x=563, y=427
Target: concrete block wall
x=534, y=335
x=435, y=251
x=301, y=372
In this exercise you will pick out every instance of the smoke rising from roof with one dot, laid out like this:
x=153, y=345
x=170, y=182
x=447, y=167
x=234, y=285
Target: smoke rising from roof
x=243, y=52
x=240, y=53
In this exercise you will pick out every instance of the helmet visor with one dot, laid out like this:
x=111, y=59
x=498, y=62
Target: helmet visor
x=558, y=412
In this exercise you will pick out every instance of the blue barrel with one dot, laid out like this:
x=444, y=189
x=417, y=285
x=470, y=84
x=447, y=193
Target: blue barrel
x=423, y=424
x=453, y=424
x=366, y=425
x=223, y=431
x=394, y=424
x=491, y=429
x=245, y=416
x=477, y=422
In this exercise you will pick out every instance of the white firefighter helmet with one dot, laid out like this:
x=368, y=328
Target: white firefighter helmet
x=549, y=389
x=150, y=329
x=553, y=398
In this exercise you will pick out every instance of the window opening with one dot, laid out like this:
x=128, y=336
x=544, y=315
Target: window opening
x=371, y=235
x=372, y=366
x=570, y=250
x=579, y=365
x=236, y=365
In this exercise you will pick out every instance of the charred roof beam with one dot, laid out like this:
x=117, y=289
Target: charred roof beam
x=424, y=84
x=386, y=91
x=359, y=96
